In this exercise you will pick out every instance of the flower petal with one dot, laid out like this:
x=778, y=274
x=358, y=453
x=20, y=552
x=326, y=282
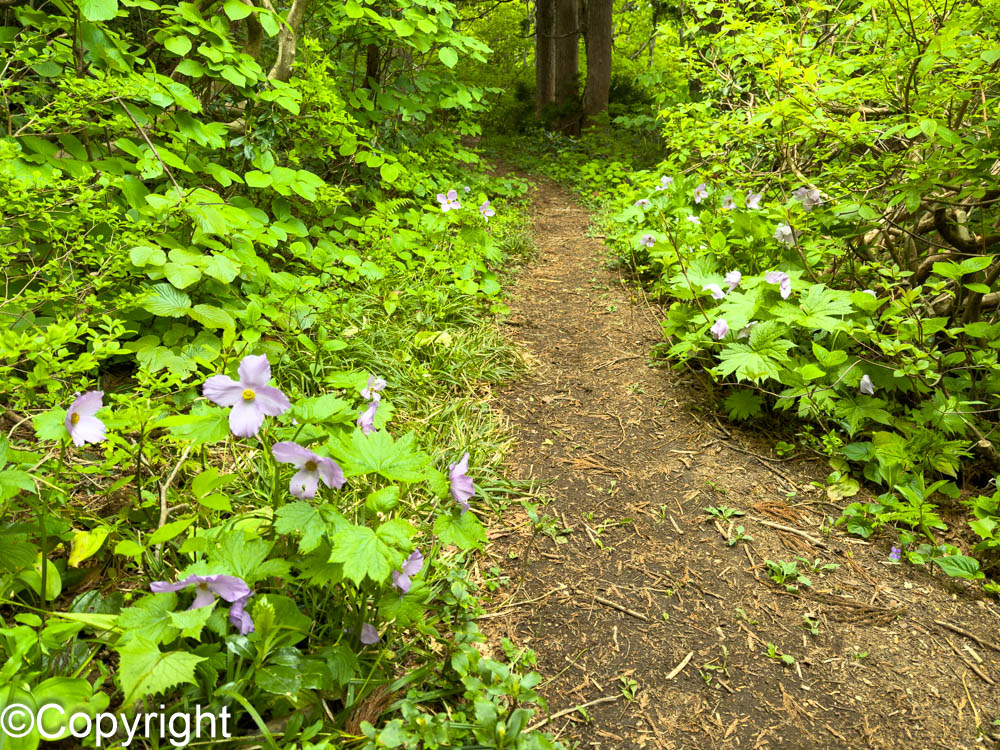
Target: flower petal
x=222, y=390
x=162, y=587
x=203, y=597
x=88, y=404
x=245, y=419
x=254, y=371
x=271, y=401
x=288, y=452
x=304, y=484
x=239, y=616
x=401, y=581
x=87, y=430
x=331, y=473
x=369, y=634
x=229, y=588
x=414, y=563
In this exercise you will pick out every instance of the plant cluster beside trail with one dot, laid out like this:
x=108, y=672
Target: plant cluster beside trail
x=182, y=212
x=822, y=221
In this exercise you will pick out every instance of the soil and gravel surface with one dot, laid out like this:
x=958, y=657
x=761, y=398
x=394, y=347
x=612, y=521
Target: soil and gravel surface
x=646, y=609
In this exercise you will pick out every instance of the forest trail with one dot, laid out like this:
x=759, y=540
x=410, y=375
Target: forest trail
x=636, y=596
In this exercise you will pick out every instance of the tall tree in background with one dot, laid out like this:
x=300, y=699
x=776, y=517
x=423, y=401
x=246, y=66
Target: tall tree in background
x=595, y=94
x=545, y=66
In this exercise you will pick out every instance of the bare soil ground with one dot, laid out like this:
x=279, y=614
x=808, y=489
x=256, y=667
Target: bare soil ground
x=636, y=604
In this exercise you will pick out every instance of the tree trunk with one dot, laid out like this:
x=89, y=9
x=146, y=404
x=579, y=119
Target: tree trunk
x=372, y=61
x=567, y=87
x=545, y=24
x=595, y=95
x=567, y=43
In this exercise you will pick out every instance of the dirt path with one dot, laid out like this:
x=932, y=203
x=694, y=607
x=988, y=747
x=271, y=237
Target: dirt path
x=636, y=595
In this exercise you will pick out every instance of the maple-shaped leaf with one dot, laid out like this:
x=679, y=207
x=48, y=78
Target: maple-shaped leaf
x=144, y=670
x=818, y=308
x=377, y=453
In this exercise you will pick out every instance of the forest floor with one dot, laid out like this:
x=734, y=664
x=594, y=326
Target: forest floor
x=631, y=595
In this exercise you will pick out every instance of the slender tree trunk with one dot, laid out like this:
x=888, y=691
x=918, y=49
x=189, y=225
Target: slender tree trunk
x=372, y=60
x=595, y=95
x=545, y=20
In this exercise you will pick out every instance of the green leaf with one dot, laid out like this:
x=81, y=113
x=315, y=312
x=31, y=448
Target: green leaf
x=236, y=9
x=353, y=10
x=190, y=67
x=221, y=268
x=301, y=519
x=85, y=544
x=212, y=317
x=98, y=10
x=365, y=553
x=960, y=566
x=207, y=424
x=323, y=409
x=181, y=275
x=179, y=45
x=389, y=171
x=448, y=56
x=462, y=529
x=50, y=425
x=13, y=481
x=145, y=671
x=147, y=256
x=166, y=301
x=378, y=453
x=191, y=621
x=743, y=404
x=169, y=530
x=149, y=618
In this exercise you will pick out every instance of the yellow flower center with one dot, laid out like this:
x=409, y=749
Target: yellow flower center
x=74, y=418
x=248, y=394
x=310, y=466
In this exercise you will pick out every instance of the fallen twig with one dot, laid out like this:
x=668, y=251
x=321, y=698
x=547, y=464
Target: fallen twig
x=614, y=605
x=565, y=711
x=791, y=530
x=967, y=634
x=680, y=667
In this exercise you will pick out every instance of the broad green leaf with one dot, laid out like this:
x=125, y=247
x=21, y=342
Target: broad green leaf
x=179, y=45
x=98, y=10
x=145, y=671
x=169, y=530
x=960, y=566
x=50, y=425
x=207, y=424
x=365, y=553
x=85, y=544
x=461, y=529
x=149, y=618
x=236, y=9
x=181, y=275
x=144, y=255
x=378, y=453
x=448, y=56
x=304, y=520
x=191, y=621
x=166, y=301
x=211, y=316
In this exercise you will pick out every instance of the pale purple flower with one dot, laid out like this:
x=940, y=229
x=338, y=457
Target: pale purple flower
x=467, y=189
x=700, y=193
x=728, y=203
x=81, y=424
x=374, y=386
x=367, y=419
x=239, y=616
x=808, y=197
x=412, y=566
x=461, y=484
x=895, y=553
x=694, y=220
x=665, y=182
x=716, y=291
x=647, y=240
x=781, y=279
x=733, y=279
x=784, y=234
x=753, y=200
x=311, y=469
x=369, y=634
x=448, y=201
x=229, y=588
x=869, y=291
x=720, y=329
x=486, y=211
x=642, y=203
x=866, y=386
x=251, y=398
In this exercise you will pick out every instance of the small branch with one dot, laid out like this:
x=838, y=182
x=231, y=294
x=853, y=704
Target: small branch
x=680, y=667
x=791, y=530
x=566, y=711
x=614, y=605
